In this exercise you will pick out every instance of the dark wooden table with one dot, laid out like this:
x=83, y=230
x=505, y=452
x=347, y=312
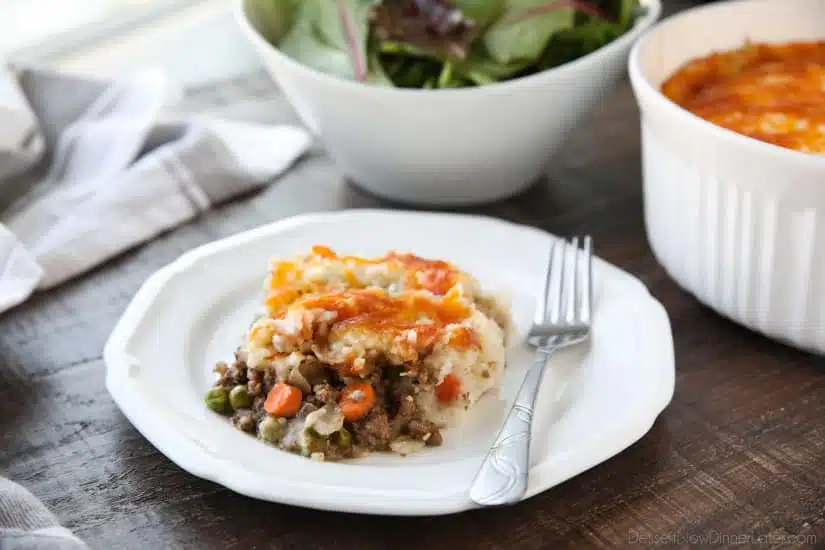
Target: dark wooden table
x=739, y=453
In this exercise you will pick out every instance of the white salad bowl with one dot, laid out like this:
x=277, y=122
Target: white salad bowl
x=737, y=222
x=447, y=147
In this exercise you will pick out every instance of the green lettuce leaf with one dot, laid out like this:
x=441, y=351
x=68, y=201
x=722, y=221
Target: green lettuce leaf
x=483, y=12
x=570, y=44
x=525, y=28
x=271, y=18
x=331, y=36
x=480, y=69
x=388, y=43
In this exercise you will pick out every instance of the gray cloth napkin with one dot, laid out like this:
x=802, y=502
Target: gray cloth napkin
x=89, y=169
x=25, y=524
x=120, y=171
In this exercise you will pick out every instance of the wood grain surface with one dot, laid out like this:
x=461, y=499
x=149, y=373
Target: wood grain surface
x=738, y=454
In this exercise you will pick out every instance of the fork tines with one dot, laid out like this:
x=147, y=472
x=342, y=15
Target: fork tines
x=566, y=303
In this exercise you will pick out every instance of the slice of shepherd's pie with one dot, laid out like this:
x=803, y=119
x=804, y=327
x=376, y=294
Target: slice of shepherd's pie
x=354, y=355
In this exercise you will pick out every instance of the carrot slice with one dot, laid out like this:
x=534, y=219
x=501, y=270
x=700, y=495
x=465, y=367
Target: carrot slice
x=449, y=389
x=283, y=400
x=356, y=400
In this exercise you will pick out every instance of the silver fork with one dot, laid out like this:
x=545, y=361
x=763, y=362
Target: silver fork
x=563, y=319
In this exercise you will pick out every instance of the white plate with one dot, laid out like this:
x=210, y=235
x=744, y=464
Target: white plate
x=596, y=400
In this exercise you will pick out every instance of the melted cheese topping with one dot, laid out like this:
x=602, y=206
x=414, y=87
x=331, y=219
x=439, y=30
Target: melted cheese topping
x=358, y=315
x=421, y=318
x=773, y=93
x=324, y=271
x=353, y=328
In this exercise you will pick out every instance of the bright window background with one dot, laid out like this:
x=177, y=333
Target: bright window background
x=196, y=41
x=25, y=23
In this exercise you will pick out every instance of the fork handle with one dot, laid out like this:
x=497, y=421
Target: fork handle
x=502, y=478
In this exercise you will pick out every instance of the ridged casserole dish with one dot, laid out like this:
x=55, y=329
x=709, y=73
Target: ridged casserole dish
x=737, y=221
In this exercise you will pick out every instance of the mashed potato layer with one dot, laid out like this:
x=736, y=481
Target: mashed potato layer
x=354, y=355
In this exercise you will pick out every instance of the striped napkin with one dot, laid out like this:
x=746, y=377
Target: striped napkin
x=118, y=171
x=26, y=524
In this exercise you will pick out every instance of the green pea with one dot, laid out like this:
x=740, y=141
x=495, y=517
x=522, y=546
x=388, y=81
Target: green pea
x=217, y=399
x=311, y=442
x=342, y=438
x=239, y=398
x=272, y=429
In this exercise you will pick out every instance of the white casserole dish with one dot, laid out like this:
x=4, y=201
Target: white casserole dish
x=737, y=222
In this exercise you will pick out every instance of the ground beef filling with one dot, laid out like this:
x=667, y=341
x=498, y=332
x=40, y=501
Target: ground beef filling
x=394, y=416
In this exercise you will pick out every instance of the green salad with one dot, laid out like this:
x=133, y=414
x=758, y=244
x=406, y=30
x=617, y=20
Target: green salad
x=439, y=43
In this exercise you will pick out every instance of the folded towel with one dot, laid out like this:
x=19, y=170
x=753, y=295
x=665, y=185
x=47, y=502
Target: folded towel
x=25, y=524
x=120, y=171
